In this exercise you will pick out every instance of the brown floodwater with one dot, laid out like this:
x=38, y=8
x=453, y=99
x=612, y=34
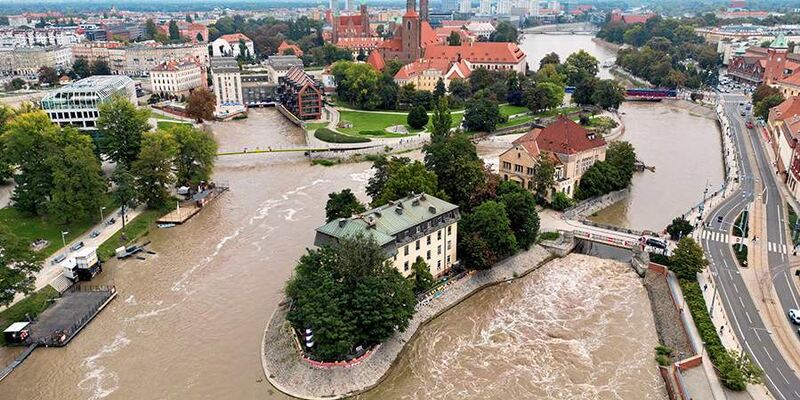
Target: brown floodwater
x=536, y=46
x=686, y=151
x=579, y=327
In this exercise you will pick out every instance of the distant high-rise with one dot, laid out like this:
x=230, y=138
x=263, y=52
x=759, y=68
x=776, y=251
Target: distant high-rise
x=485, y=7
x=504, y=7
x=533, y=7
x=449, y=5
x=349, y=5
x=465, y=6
x=334, y=7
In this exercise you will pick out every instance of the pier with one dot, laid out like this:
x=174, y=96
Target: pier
x=189, y=208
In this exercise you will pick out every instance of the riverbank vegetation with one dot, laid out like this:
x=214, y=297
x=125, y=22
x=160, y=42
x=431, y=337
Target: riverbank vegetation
x=735, y=370
x=614, y=173
x=327, y=135
x=666, y=52
x=764, y=98
x=679, y=228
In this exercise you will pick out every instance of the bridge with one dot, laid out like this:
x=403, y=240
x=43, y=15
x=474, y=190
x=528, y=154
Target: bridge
x=641, y=93
x=575, y=28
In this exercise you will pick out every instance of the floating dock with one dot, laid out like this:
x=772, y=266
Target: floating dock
x=62, y=321
x=189, y=208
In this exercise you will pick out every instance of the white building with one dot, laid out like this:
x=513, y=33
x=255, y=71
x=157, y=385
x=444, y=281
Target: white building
x=464, y=6
x=483, y=29
x=27, y=61
x=77, y=103
x=230, y=46
x=139, y=59
x=227, y=80
x=17, y=20
x=177, y=77
x=39, y=37
x=485, y=7
x=414, y=226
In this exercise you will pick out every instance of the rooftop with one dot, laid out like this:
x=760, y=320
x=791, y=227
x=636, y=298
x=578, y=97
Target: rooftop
x=479, y=52
x=103, y=85
x=224, y=64
x=384, y=222
x=564, y=136
x=284, y=62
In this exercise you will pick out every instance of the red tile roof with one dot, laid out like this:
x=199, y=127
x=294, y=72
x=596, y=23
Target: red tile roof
x=234, y=37
x=376, y=60
x=427, y=35
x=344, y=20
x=564, y=136
x=286, y=46
x=359, y=43
x=479, y=52
x=417, y=67
x=786, y=110
x=793, y=79
x=175, y=65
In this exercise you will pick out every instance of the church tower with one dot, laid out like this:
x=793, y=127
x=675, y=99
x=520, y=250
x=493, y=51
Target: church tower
x=776, y=59
x=411, y=33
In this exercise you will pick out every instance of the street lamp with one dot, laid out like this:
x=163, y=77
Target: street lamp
x=63, y=238
x=101, y=214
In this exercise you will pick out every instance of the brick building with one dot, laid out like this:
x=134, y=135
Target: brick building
x=299, y=94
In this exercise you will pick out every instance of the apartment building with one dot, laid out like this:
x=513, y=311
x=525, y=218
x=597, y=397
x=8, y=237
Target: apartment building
x=227, y=81
x=177, y=77
x=570, y=147
x=419, y=225
x=77, y=103
x=27, y=61
x=93, y=51
x=300, y=95
x=139, y=59
x=425, y=74
x=278, y=66
x=39, y=37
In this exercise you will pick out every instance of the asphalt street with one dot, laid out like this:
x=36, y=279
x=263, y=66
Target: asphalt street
x=748, y=326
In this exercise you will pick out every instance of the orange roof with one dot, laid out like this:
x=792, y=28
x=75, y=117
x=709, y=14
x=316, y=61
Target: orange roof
x=234, y=37
x=395, y=44
x=175, y=65
x=528, y=142
x=345, y=19
x=359, y=43
x=786, y=110
x=427, y=35
x=456, y=23
x=415, y=68
x=564, y=136
x=793, y=79
x=286, y=46
x=376, y=60
x=461, y=69
x=479, y=52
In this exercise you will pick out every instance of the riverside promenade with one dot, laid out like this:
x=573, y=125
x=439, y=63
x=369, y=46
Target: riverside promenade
x=289, y=373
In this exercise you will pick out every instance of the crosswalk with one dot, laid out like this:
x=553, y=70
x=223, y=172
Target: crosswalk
x=772, y=247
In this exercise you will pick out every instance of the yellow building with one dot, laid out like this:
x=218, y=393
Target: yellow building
x=570, y=147
x=425, y=74
x=419, y=225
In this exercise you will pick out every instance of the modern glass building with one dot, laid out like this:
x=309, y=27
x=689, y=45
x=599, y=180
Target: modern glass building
x=77, y=103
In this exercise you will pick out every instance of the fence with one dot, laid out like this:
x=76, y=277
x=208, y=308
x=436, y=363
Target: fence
x=590, y=206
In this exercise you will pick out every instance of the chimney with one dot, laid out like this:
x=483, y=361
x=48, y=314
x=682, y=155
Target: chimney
x=432, y=209
x=342, y=222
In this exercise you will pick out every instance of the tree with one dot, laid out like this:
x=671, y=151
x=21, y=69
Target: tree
x=15, y=84
x=81, y=67
x=48, y=75
x=356, y=84
x=550, y=73
x=18, y=264
x=598, y=180
x=622, y=157
x=551, y=58
x=456, y=164
x=150, y=29
x=584, y=91
x=454, y=39
x=441, y=120
x=481, y=115
x=487, y=223
x=188, y=18
x=440, y=90
x=153, y=169
x=762, y=92
x=504, y=32
x=124, y=192
x=459, y=89
x=174, y=31
x=27, y=143
x=543, y=96
x=342, y=204
x=579, y=66
x=78, y=187
x=417, y=117
x=348, y=296
x=520, y=208
x=544, y=176
x=100, y=67
x=197, y=150
x=561, y=201
x=384, y=167
x=199, y=37
x=762, y=108
x=121, y=125
x=407, y=179
x=608, y=94
x=679, y=228
x=201, y=104
x=423, y=279
x=688, y=259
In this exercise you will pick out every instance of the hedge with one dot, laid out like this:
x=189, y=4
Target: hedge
x=729, y=372
x=327, y=135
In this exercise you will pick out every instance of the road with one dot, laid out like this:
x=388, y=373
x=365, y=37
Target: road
x=748, y=325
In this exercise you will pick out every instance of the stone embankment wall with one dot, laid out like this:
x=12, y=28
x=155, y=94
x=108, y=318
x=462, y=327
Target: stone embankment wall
x=290, y=374
x=595, y=204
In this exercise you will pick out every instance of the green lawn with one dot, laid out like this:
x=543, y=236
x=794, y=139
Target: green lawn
x=33, y=305
x=30, y=228
x=134, y=230
x=363, y=121
x=516, y=121
x=311, y=127
x=508, y=109
x=171, y=124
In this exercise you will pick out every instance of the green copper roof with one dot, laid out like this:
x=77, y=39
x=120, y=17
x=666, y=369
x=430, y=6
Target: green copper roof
x=384, y=222
x=780, y=42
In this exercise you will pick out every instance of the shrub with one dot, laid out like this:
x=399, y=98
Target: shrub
x=372, y=133
x=417, y=117
x=679, y=228
x=239, y=117
x=549, y=235
x=327, y=135
x=741, y=254
x=561, y=202
x=325, y=162
x=660, y=259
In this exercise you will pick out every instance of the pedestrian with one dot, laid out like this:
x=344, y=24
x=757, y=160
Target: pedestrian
x=705, y=286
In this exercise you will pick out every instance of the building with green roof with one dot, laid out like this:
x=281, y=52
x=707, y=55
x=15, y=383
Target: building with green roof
x=418, y=225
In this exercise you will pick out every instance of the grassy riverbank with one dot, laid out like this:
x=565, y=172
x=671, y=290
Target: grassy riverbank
x=134, y=230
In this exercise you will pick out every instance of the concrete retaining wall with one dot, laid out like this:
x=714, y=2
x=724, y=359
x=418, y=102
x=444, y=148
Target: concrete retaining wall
x=595, y=204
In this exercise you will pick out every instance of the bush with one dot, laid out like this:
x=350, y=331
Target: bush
x=662, y=360
x=327, y=135
x=734, y=374
x=561, y=202
x=549, y=235
x=660, y=259
x=417, y=117
x=325, y=162
x=679, y=228
x=741, y=221
x=741, y=254
x=239, y=117
x=372, y=133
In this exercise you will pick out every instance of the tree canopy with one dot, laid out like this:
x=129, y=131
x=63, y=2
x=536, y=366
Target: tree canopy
x=342, y=204
x=688, y=259
x=197, y=150
x=121, y=126
x=201, y=105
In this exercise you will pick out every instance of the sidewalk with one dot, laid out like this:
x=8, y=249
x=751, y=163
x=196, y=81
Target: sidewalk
x=51, y=271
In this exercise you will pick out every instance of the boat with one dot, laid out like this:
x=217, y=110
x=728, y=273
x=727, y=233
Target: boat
x=164, y=226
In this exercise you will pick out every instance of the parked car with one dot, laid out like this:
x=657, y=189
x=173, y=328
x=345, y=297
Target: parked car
x=76, y=246
x=112, y=221
x=794, y=316
x=657, y=243
x=749, y=124
x=94, y=234
x=60, y=258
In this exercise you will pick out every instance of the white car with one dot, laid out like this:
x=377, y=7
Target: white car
x=794, y=316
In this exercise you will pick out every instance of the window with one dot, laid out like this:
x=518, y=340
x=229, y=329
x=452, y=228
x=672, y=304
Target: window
x=448, y=260
x=438, y=265
x=405, y=266
x=428, y=239
x=506, y=165
x=405, y=250
x=417, y=244
x=428, y=255
x=529, y=170
x=439, y=251
x=439, y=234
